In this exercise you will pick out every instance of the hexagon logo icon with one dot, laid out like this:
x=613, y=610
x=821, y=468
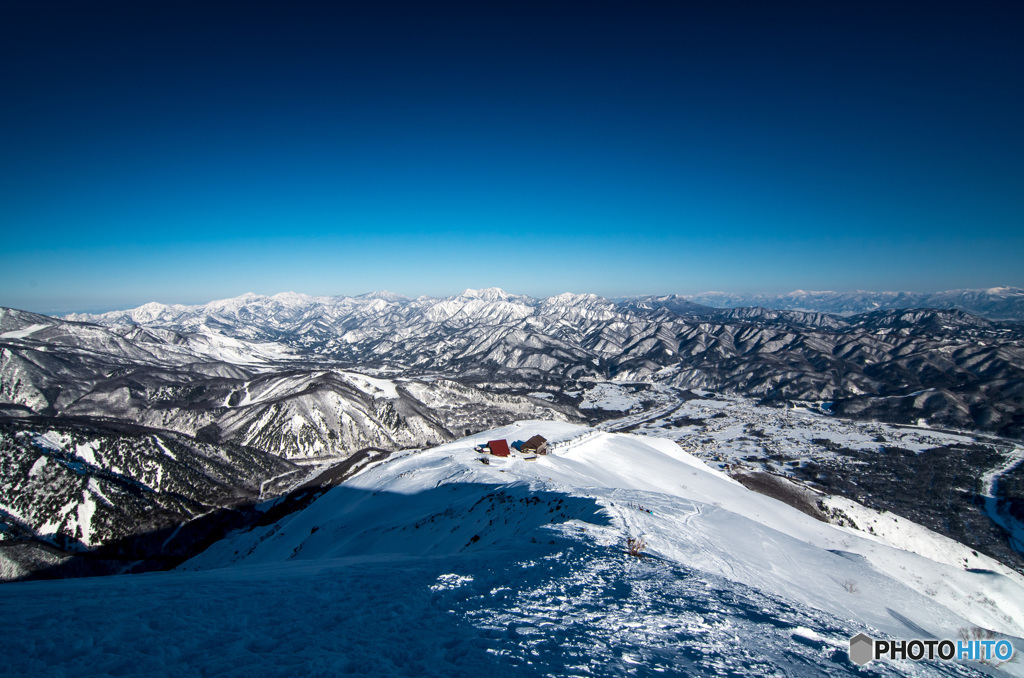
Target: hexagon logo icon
x=862, y=649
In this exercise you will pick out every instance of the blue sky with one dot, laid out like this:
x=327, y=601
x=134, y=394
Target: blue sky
x=183, y=151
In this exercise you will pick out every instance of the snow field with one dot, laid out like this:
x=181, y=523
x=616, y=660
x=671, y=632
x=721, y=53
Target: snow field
x=700, y=517
x=313, y=620
x=432, y=563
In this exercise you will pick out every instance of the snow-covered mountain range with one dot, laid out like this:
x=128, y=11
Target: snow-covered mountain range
x=946, y=366
x=223, y=389
x=110, y=432
x=994, y=303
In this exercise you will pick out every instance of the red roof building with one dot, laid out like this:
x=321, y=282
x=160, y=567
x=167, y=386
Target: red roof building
x=499, y=448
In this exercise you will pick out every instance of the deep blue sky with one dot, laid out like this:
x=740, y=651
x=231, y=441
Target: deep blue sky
x=182, y=151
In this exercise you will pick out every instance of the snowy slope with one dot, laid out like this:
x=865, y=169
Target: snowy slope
x=697, y=514
x=433, y=563
x=66, y=489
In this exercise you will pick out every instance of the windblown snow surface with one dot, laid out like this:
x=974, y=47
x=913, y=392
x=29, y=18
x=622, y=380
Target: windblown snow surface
x=436, y=564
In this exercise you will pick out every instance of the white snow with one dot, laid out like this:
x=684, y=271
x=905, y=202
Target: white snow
x=608, y=396
x=24, y=332
x=228, y=349
x=164, y=447
x=51, y=440
x=87, y=451
x=433, y=563
x=86, y=510
x=695, y=509
x=37, y=467
x=379, y=388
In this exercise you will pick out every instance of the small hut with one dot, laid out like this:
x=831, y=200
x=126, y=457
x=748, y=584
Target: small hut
x=499, y=448
x=536, y=445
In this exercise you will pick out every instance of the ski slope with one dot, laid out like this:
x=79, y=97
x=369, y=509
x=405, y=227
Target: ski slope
x=434, y=563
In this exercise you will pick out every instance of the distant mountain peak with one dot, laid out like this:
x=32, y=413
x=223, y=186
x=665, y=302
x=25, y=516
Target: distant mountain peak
x=383, y=295
x=994, y=303
x=572, y=296
x=487, y=294
x=293, y=297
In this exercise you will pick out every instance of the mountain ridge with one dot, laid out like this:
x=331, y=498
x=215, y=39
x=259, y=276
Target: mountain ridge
x=973, y=366
x=994, y=303
x=1005, y=303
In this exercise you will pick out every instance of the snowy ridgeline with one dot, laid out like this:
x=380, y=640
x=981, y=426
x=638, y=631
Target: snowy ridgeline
x=962, y=484
x=432, y=563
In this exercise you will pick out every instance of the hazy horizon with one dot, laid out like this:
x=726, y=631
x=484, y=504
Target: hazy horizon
x=201, y=302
